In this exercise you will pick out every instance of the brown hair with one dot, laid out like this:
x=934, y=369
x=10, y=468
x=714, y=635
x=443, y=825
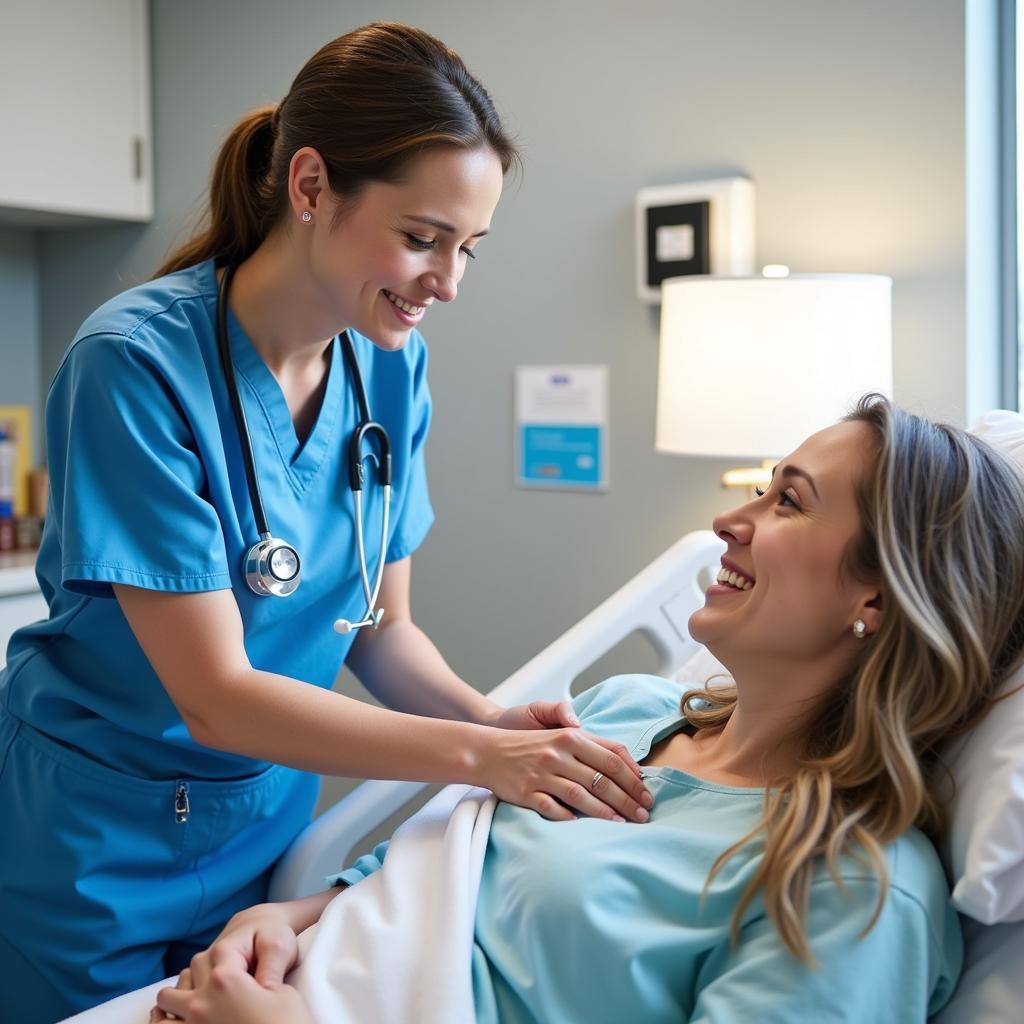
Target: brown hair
x=942, y=517
x=368, y=102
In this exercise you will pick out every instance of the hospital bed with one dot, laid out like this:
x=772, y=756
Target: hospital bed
x=656, y=603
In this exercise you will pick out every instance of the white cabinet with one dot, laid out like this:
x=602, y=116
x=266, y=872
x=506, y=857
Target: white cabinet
x=75, y=112
x=21, y=601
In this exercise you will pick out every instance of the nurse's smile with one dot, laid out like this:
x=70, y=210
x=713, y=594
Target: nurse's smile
x=407, y=312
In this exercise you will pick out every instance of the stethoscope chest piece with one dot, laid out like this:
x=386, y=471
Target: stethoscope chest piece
x=272, y=567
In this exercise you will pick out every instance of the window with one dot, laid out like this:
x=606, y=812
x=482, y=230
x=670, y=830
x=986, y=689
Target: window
x=1013, y=130
x=994, y=95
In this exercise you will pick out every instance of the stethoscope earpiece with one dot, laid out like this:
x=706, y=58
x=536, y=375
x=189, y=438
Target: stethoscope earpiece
x=273, y=567
x=343, y=626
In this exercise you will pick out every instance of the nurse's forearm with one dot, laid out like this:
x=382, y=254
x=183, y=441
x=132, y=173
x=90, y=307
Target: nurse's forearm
x=275, y=718
x=195, y=643
x=402, y=668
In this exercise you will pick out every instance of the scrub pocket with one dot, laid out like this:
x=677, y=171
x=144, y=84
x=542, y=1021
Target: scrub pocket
x=101, y=872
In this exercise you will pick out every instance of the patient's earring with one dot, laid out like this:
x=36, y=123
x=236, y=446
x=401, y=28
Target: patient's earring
x=860, y=629
x=306, y=216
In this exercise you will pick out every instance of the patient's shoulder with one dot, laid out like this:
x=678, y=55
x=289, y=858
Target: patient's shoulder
x=621, y=704
x=913, y=867
x=915, y=880
x=915, y=870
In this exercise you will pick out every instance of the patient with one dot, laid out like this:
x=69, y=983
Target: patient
x=870, y=603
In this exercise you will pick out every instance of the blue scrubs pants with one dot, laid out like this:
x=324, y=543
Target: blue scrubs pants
x=103, y=889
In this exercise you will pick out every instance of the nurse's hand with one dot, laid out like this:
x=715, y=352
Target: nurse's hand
x=556, y=772
x=230, y=996
x=538, y=714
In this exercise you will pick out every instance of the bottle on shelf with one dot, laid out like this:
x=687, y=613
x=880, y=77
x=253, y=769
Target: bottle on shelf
x=7, y=453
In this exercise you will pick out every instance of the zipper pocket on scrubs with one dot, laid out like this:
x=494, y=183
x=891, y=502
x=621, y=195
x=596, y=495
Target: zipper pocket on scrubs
x=181, y=807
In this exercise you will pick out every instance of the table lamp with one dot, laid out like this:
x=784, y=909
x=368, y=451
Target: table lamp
x=750, y=366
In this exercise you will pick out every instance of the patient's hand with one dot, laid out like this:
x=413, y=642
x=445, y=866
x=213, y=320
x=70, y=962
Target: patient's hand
x=260, y=941
x=228, y=995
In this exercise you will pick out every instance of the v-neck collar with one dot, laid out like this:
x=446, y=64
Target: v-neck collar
x=663, y=728
x=656, y=732
x=301, y=460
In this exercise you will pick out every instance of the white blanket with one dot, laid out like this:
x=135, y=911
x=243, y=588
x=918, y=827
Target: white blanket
x=397, y=947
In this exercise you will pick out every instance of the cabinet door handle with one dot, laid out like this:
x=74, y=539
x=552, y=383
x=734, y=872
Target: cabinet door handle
x=137, y=151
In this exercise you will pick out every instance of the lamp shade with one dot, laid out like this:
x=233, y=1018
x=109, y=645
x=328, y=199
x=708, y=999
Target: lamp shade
x=749, y=367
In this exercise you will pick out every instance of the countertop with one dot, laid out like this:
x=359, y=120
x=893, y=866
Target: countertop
x=18, y=573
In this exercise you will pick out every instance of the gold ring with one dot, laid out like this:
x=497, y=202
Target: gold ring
x=596, y=779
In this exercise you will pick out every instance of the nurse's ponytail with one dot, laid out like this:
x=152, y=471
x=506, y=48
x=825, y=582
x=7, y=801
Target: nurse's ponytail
x=367, y=102
x=242, y=205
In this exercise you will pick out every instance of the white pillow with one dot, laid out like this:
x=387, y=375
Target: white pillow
x=985, y=845
x=703, y=669
x=984, y=848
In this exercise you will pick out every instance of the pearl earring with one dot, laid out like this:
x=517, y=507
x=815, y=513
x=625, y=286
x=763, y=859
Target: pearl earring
x=306, y=216
x=860, y=629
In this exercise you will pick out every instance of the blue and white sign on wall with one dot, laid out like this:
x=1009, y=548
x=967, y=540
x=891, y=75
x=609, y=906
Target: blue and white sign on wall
x=562, y=427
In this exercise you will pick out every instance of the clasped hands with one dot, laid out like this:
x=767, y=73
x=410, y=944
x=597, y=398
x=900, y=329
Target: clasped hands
x=240, y=978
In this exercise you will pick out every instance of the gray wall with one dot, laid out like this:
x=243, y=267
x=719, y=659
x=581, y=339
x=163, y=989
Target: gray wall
x=849, y=118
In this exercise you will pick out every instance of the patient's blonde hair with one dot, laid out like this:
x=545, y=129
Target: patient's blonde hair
x=942, y=535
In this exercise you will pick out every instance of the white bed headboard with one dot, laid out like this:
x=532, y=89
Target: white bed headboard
x=657, y=603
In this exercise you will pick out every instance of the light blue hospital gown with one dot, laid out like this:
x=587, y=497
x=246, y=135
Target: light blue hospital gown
x=98, y=871
x=594, y=921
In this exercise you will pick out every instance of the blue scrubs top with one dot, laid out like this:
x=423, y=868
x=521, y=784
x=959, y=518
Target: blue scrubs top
x=148, y=489
x=597, y=920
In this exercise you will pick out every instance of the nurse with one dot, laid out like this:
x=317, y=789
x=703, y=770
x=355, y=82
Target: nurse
x=161, y=733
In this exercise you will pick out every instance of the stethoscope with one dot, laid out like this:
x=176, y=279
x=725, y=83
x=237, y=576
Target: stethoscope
x=272, y=566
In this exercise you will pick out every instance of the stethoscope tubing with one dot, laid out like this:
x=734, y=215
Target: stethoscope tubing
x=262, y=579
x=228, y=365
x=371, y=617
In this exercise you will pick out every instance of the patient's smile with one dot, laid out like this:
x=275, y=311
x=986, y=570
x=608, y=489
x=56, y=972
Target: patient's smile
x=733, y=579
